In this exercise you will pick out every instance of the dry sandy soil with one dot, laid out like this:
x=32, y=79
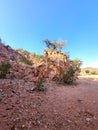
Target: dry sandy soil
x=69, y=107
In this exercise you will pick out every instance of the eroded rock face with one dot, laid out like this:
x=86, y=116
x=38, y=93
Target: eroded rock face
x=55, y=55
x=52, y=64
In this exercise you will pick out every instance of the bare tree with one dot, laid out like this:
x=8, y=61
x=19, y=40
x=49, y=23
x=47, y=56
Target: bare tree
x=49, y=44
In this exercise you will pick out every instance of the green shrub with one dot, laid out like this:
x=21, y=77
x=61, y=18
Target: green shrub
x=4, y=68
x=76, y=63
x=87, y=71
x=40, y=84
x=67, y=77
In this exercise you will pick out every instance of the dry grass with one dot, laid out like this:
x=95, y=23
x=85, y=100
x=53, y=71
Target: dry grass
x=94, y=77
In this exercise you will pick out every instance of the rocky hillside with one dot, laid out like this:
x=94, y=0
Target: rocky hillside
x=8, y=54
x=23, y=66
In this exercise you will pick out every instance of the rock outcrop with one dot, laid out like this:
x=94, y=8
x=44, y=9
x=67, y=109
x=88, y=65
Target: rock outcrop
x=52, y=64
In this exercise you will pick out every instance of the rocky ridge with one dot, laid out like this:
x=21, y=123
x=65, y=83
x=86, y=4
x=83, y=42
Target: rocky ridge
x=50, y=66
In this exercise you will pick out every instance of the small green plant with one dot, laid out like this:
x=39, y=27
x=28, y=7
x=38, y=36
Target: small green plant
x=4, y=68
x=40, y=84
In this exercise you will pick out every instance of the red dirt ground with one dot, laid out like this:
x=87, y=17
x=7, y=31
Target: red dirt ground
x=60, y=107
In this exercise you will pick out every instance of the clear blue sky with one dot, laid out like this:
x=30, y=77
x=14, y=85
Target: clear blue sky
x=25, y=23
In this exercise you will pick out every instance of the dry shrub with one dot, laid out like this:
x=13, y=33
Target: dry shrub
x=40, y=84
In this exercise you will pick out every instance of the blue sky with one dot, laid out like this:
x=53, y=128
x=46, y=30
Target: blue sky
x=25, y=23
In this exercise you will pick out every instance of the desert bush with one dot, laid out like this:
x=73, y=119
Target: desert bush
x=26, y=61
x=87, y=71
x=67, y=77
x=4, y=68
x=94, y=72
x=76, y=63
x=40, y=84
x=70, y=75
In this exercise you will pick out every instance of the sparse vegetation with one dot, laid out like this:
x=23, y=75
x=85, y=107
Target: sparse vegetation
x=28, y=57
x=49, y=44
x=87, y=71
x=94, y=72
x=76, y=63
x=60, y=44
x=37, y=56
x=4, y=68
x=70, y=75
x=40, y=84
x=56, y=45
x=26, y=61
x=67, y=77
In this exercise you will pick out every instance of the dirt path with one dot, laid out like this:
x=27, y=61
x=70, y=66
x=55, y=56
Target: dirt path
x=59, y=108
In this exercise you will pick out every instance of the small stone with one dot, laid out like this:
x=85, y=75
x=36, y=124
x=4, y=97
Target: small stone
x=1, y=90
x=69, y=121
x=22, y=126
x=88, y=119
x=39, y=122
x=94, y=118
x=80, y=101
x=45, y=126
